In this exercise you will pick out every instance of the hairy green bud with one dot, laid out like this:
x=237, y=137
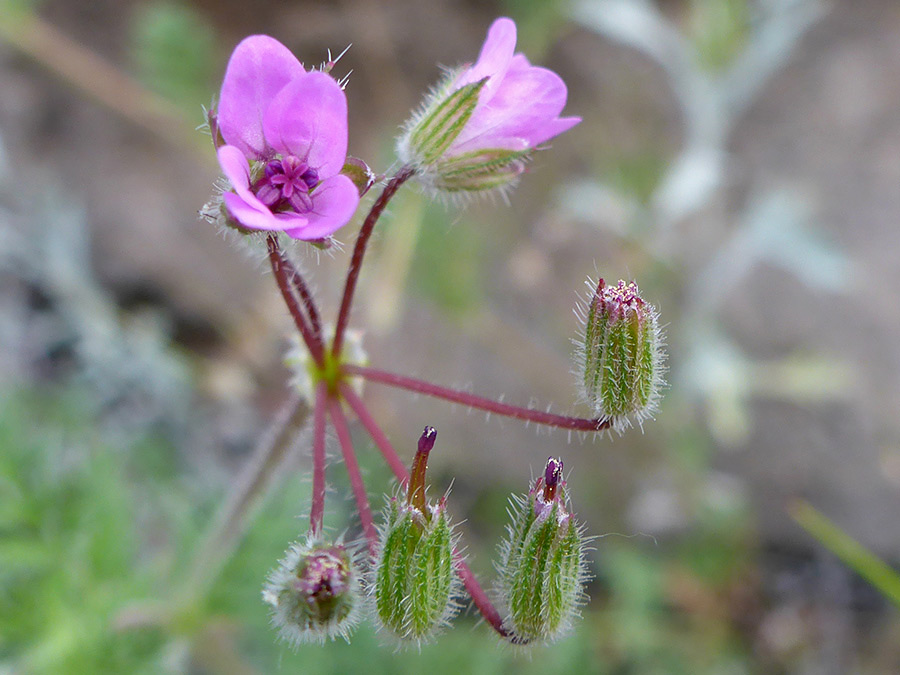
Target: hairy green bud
x=620, y=357
x=314, y=592
x=415, y=578
x=542, y=562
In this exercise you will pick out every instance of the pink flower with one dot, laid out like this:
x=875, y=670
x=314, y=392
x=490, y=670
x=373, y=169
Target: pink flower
x=519, y=105
x=477, y=129
x=285, y=131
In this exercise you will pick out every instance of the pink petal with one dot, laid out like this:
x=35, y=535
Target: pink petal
x=259, y=68
x=242, y=204
x=308, y=118
x=248, y=216
x=334, y=203
x=237, y=171
x=494, y=59
x=523, y=110
x=555, y=128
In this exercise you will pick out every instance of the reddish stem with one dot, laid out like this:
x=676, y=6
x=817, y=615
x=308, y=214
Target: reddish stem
x=481, y=600
x=317, y=512
x=281, y=277
x=371, y=426
x=356, y=482
x=359, y=251
x=305, y=295
x=473, y=401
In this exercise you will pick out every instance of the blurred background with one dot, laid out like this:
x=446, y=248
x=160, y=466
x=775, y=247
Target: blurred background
x=740, y=159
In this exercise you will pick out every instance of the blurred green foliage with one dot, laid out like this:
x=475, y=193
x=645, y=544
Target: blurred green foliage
x=174, y=52
x=449, y=263
x=69, y=549
x=93, y=536
x=636, y=174
x=537, y=22
x=718, y=30
x=856, y=556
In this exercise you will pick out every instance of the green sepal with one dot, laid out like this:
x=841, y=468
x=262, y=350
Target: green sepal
x=480, y=170
x=433, y=134
x=359, y=172
x=541, y=567
x=415, y=573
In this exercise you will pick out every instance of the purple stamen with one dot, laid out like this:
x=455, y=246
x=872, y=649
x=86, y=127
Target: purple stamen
x=286, y=184
x=552, y=477
x=311, y=178
x=427, y=439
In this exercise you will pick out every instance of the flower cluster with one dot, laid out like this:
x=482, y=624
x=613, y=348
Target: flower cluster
x=280, y=133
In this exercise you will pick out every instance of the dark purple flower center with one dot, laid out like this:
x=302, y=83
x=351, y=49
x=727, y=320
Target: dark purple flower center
x=285, y=185
x=324, y=576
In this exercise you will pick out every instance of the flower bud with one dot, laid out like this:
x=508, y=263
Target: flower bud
x=476, y=129
x=542, y=566
x=314, y=592
x=415, y=576
x=620, y=355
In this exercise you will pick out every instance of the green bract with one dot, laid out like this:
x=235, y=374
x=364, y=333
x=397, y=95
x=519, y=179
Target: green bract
x=542, y=568
x=442, y=119
x=414, y=576
x=620, y=355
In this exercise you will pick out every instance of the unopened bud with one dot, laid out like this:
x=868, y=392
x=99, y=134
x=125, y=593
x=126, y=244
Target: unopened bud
x=415, y=576
x=542, y=565
x=314, y=593
x=620, y=355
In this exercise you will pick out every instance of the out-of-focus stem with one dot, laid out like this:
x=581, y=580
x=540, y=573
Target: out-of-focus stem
x=473, y=401
x=317, y=511
x=356, y=482
x=280, y=270
x=255, y=479
x=93, y=75
x=359, y=251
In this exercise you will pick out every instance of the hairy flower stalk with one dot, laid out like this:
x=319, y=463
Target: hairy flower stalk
x=476, y=130
x=542, y=566
x=280, y=134
x=314, y=592
x=619, y=356
x=415, y=577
